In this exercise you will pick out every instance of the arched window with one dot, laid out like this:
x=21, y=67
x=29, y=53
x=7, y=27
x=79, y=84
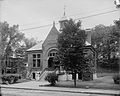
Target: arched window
x=52, y=53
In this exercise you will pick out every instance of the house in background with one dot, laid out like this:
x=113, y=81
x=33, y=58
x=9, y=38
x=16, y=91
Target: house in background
x=40, y=56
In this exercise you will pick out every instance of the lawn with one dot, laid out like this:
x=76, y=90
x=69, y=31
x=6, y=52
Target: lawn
x=104, y=81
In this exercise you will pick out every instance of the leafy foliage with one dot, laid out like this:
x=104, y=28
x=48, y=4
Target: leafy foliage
x=71, y=42
x=9, y=79
x=106, y=39
x=13, y=42
x=52, y=78
x=10, y=39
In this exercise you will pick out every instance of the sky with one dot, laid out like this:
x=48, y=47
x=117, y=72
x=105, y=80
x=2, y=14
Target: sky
x=35, y=13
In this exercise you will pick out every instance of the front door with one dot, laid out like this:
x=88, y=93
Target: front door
x=50, y=62
x=33, y=75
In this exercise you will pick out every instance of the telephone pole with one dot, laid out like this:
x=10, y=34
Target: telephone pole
x=0, y=48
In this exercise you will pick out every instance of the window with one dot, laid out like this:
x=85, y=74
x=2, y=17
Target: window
x=38, y=55
x=34, y=55
x=36, y=60
x=34, y=63
x=52, y=54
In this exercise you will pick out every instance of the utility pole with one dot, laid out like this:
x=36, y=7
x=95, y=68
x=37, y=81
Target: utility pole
x=0, y=48
x=117, y=3
x=0, y=37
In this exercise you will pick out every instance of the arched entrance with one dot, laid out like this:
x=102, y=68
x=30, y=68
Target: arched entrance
x=52, y=53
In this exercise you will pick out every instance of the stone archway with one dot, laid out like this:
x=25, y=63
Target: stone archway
x=51, y=54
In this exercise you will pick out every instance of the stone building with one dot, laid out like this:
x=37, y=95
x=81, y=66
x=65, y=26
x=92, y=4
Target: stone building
x=40, y=56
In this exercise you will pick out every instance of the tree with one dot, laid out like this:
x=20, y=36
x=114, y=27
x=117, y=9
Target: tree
x=28, y=43
x=117, y=23
x=70, y=45
x=21, y=50
x=106, y=40
x=10, y=39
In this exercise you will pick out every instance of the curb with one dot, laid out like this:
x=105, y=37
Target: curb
x=98, y=93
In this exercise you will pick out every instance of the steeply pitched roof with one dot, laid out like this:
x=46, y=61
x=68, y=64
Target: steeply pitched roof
x=36, y=47
x=53, y=34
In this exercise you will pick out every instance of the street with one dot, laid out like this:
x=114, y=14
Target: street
x=21, y=92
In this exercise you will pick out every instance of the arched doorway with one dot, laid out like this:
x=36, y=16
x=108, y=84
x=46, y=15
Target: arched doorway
x=51, y=56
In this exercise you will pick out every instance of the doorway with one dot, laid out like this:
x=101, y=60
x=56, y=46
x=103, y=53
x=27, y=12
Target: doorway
x=33, y=75
x=50, y=62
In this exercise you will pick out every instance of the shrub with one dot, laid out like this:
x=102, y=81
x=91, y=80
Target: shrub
x=116, y=79
x=87, y=74
x=10, y=79
x=4, y=79
x=52, y=78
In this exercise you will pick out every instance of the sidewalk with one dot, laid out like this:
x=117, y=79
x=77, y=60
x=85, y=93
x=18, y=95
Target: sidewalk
x=37, y=85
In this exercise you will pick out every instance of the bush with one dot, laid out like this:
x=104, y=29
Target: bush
x=9, y=79
x=87, y=74
x=116, y=79
x=52, y=78
x=4, y=79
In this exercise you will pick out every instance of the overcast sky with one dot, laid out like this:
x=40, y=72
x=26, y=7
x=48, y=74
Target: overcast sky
x=35, y=13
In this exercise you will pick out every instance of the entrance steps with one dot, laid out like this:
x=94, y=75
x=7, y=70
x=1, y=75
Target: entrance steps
x=44, y=73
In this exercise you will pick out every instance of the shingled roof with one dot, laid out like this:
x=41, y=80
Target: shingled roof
x=53, y=34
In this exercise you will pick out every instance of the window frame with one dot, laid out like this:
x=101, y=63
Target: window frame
x=37, y=58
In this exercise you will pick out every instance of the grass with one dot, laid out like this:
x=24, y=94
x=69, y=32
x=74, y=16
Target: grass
x=104, y=81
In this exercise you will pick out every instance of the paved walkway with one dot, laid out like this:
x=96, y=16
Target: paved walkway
x=37, y=85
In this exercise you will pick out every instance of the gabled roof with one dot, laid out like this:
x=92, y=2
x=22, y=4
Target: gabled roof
x=53, y=34
x=36, y=47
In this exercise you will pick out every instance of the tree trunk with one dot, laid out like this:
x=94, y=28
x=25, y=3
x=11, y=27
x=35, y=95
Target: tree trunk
x=75, y=78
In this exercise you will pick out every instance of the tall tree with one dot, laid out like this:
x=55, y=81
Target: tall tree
x=70, y=45
x=117, y=23
x=106, y=40
x=10, y=39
